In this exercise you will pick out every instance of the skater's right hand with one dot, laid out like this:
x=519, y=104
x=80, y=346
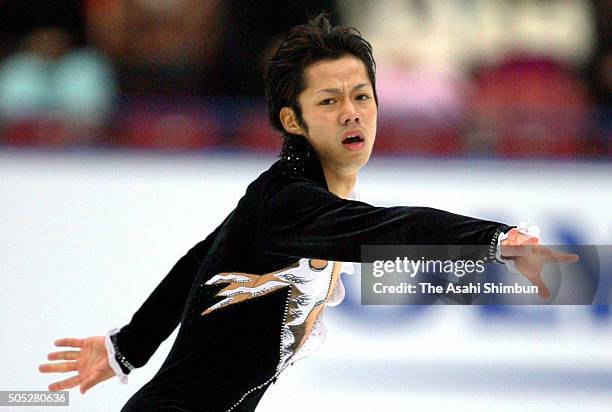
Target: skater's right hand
x=90, y=363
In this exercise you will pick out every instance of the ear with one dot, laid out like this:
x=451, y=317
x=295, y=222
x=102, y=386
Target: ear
x=289, y=121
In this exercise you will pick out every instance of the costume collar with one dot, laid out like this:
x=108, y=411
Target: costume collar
x=298, y=156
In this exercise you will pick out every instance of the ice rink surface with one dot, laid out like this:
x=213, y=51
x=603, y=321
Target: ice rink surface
x=87, y=236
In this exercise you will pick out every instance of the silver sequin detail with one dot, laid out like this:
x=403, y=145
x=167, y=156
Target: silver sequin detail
x=290, y=277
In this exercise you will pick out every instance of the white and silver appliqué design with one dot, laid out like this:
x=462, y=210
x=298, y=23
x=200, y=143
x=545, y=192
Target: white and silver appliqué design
x=312, y=283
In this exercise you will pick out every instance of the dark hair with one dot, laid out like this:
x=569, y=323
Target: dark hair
x=306, y=44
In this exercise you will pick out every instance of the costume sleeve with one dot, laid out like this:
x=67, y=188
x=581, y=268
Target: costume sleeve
x=159, y=315
x=302, y=219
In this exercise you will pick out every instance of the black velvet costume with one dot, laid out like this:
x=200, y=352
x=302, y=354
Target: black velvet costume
x=230, y=348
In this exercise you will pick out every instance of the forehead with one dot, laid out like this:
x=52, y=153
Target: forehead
x=345, y=71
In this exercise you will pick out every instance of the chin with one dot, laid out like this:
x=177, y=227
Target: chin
x=359, y=162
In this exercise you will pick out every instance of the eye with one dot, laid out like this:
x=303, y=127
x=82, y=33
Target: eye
x=363, y=97
x=327, y=102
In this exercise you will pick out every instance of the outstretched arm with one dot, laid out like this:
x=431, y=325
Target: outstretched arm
x=301, y=219
x=159, y=315
x=100, y=358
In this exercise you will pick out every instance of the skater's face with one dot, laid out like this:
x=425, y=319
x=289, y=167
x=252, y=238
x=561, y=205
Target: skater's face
x=338, y=111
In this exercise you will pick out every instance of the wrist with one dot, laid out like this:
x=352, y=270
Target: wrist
x=115, y=357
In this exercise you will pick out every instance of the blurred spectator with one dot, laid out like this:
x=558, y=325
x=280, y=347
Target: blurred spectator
x=463, y=33
x=193, y=47
x=160, y=47
x=421, y=106
x=530, y=106
x=599, y=76
x=20, y=18
x=416, y=89
x=52, y=90
x=189, y=73
x=603, y=92
x=252, y=32
x=179, y=49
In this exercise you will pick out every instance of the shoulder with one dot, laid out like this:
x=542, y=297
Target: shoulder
x=297, y=168
x=279, y=174
x=284, y=178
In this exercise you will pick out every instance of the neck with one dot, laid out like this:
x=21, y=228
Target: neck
x=340, y=181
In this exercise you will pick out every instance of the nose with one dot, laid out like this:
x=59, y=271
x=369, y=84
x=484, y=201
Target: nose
x=349, y=114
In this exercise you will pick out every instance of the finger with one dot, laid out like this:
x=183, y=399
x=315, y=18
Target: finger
x=566, y=257
x=538, y=252
x=58, y=367
x=72, y=342
x=65, y=384
x=550, y=256
x=63, y=355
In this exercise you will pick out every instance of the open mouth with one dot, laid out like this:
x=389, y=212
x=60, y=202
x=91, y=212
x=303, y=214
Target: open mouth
x=352, y=140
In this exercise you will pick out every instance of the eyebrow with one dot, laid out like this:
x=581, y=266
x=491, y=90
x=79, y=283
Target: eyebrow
x=338, y=91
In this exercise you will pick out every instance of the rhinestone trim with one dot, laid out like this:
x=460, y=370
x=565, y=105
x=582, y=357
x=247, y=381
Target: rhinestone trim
x=120, y=356
x=492, y=251
x=278, y=369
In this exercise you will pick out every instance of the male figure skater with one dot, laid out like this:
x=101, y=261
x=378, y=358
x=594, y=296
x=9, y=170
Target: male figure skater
x=249, y=297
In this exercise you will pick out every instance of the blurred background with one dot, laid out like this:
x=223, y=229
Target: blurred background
x=502, y=78
x=130, y=128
